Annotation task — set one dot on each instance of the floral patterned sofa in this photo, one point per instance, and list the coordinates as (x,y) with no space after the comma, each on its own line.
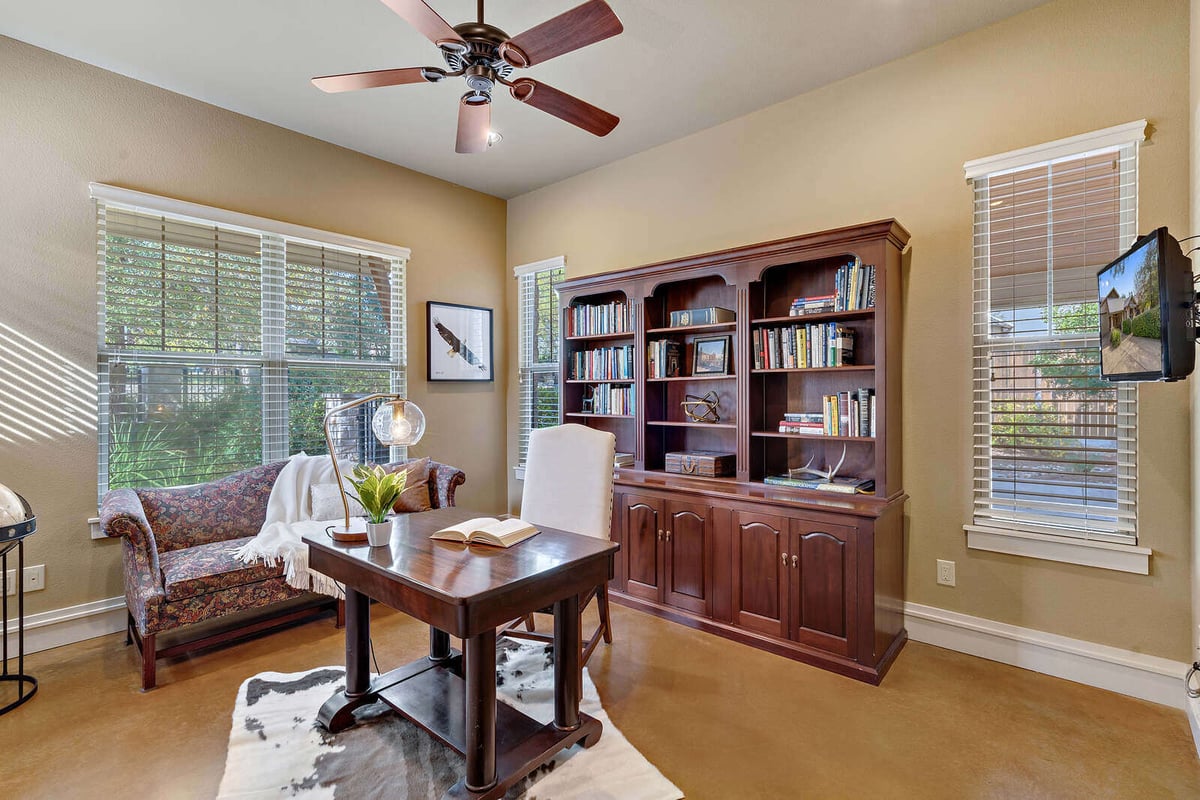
(178,563)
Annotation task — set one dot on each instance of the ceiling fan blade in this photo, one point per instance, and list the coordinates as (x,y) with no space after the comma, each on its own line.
(564,106)
(380,77)
(587,24)
(431,25)
(474,123)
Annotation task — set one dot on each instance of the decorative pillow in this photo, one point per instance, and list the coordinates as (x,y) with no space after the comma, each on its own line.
(416,487)
(326,504)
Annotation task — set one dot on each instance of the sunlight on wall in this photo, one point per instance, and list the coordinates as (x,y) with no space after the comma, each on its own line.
(45,395)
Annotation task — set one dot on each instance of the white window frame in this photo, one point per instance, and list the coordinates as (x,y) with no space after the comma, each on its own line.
(1015,539)
(527,369)
(273,358)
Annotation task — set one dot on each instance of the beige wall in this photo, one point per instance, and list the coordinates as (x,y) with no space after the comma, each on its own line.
(1194,196)
(63,124)
(891,143)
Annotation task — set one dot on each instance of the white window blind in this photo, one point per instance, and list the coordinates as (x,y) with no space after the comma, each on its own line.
(538,340)
(221,347)
(1055,446)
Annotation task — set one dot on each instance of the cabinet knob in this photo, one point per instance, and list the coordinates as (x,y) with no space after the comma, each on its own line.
(660,535)
(795,561)
(668,535)
(783,558)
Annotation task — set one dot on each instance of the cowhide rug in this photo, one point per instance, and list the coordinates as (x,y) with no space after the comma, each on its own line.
(276,750)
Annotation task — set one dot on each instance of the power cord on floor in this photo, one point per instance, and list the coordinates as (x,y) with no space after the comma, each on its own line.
(1187,680)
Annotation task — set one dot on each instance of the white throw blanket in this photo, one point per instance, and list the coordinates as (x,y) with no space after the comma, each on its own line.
(289,517)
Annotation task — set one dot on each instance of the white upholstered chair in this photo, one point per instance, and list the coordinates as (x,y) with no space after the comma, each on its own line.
(569,486)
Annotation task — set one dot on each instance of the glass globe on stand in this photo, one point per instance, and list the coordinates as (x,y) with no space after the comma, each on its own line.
(398,423)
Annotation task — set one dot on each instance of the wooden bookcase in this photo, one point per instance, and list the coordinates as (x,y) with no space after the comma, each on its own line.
(813,575)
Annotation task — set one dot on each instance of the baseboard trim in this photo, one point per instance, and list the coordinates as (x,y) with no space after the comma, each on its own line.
(61,626)
(1192,709)
(1159,680)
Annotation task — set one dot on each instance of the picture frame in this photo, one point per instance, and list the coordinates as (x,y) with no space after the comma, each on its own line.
(710,356)
(460,346)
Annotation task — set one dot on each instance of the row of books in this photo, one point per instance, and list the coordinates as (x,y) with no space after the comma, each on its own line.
(850,413)
(802,346)
(664,359)
(844,484)
(855,285)
(595,320)
(602,364)
(622,459)
(610,399)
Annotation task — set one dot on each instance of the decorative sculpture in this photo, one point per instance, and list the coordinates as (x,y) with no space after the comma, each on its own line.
(807,471)
(701,409)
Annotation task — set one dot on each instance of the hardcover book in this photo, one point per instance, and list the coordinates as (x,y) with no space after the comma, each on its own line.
(700,316)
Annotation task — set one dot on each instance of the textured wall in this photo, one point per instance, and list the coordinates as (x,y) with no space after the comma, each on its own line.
(1194,196)
(63,124)
(891,143)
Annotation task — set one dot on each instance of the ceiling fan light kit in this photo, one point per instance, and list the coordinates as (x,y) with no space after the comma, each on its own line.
(483,55)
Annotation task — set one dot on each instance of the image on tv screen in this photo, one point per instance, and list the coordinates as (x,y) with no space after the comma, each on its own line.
(1130,327)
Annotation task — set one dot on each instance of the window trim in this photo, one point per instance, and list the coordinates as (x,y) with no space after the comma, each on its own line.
(1015,540)
(523,425)
(209,215)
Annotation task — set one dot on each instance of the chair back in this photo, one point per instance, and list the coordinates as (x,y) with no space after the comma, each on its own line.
(569,479)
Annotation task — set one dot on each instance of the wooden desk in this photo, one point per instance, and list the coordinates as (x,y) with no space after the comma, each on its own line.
(467,592)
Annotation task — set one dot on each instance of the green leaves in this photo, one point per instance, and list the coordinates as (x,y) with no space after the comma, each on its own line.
(377,489)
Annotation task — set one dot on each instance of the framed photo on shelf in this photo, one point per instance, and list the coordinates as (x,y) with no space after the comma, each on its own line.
(710,356)
(460,342)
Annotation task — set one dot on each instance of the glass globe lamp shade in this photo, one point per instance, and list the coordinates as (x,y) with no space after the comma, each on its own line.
(398,423)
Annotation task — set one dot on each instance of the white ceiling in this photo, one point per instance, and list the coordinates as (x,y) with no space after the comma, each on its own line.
(679,67)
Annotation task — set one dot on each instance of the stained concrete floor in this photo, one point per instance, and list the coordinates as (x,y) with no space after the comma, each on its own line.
(720,719)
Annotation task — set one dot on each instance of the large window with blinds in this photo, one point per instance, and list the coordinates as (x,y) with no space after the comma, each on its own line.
(1055,446)
(221,346)
(538,343)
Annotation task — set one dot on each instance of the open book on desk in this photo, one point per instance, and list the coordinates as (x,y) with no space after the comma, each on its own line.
(487,530)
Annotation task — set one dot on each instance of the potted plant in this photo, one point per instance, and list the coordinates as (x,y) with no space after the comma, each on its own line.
(377,491)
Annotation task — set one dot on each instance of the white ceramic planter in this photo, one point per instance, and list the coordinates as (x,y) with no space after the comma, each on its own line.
(379,533)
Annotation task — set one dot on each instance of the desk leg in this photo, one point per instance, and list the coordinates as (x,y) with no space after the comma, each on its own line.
(568,679)
(338,712)
(480,652)
(439,644)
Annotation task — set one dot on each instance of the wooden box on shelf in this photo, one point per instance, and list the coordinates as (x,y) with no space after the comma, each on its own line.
(704,463)
(811,380)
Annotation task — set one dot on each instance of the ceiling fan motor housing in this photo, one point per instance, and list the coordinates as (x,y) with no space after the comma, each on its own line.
(484,51)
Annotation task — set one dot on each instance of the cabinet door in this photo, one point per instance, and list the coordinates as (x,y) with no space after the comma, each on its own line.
(823,596)
(760,573)
(687,582)
(642,518)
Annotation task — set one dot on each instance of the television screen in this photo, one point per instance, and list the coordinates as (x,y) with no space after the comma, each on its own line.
(1146,297)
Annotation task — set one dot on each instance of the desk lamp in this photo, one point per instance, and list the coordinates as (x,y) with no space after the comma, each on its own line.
(397,423)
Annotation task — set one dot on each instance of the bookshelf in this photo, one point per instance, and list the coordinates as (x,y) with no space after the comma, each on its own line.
(819,388)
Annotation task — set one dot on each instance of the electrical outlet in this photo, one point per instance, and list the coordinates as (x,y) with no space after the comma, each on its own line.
(945,572)
(35,579)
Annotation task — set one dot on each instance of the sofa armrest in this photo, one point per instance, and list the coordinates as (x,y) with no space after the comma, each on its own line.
(443,480)
(122,515)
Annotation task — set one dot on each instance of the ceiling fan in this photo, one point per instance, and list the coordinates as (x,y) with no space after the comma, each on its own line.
(485,55)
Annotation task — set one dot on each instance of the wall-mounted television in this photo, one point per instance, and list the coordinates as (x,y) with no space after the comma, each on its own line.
(1146,295)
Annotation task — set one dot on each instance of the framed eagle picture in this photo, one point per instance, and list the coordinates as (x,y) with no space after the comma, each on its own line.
(460,342)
